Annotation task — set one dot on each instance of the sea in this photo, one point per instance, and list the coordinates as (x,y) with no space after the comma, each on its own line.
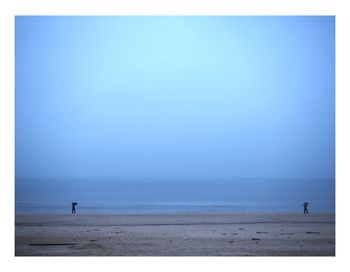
(135,196)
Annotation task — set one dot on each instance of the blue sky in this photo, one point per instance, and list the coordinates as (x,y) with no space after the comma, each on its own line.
(175,97)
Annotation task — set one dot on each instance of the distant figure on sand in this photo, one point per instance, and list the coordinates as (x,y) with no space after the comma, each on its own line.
(305,207)
(73,206)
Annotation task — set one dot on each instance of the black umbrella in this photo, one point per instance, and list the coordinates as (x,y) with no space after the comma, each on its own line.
(74,203)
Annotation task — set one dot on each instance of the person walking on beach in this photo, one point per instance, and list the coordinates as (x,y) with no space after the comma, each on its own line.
(73,206)
(305,207)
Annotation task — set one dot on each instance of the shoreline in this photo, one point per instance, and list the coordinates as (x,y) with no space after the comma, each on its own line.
(176,234)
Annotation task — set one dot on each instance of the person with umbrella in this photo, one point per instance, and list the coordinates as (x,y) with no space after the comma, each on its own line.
(305,207)
(73,206)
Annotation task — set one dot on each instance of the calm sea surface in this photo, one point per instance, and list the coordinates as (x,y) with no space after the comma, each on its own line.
(147,196)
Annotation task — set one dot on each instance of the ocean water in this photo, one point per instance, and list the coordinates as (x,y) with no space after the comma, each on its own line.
(96,196)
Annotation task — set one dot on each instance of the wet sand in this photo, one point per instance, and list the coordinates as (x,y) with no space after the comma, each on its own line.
(186,234)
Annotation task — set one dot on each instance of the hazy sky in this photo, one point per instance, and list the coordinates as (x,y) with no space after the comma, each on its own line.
(171,97)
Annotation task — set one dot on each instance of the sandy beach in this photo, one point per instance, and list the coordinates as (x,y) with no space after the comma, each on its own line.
(186,234)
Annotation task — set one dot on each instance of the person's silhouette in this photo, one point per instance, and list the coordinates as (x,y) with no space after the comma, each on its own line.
(73,206)
(305,207)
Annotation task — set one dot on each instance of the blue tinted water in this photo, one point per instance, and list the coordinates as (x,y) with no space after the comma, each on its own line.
(135,196)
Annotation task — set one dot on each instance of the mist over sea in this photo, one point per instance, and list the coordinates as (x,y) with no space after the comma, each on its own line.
(193,195)
(185,105)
